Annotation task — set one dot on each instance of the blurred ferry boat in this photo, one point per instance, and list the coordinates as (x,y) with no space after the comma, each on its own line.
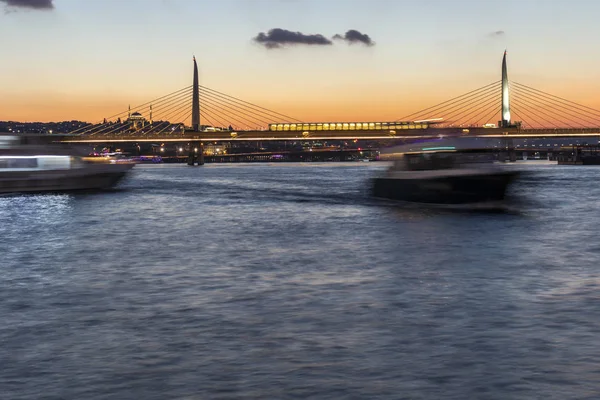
(443,175)
(30,164)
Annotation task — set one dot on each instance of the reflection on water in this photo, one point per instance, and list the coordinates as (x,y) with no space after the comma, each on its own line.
(289,281)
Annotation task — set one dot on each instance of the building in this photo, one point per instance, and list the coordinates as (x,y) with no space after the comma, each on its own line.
(137,121)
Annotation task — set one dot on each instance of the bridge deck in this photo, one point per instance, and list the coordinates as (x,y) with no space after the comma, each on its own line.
(335,135)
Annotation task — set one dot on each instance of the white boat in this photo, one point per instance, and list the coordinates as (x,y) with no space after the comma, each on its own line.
(30,165)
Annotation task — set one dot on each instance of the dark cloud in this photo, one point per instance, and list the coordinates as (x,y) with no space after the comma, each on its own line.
(35,4)
(496,34)
(354,36)
(277,38)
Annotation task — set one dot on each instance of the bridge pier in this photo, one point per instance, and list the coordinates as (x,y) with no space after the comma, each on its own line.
(200,153)
(196,154)
(509,153)
(191,156)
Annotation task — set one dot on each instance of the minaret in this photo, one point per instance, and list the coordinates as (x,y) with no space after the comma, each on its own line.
(195,100)
(505,95)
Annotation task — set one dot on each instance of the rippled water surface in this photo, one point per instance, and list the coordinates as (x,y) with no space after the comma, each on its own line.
(287,281)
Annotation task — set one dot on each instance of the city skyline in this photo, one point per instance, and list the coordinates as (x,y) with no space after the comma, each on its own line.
(327,61)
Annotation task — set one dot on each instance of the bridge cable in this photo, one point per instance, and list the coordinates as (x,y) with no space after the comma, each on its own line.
(483,111)
(514,112)
(213,110)
(444,102)
(203,111)
(533,108)
(495,110)
(241,107)
(189,113)
(459,105)
(560,113)
(162,114)
(560,98)
(527,120)
(140,106)
(447,103)
(554,103)
(226,109)
(175,113)
(525,108)
(101,128)
(454,112)
(461,116)
(203,117)
(452,106)
(225,105)
(252,105)
(179,100)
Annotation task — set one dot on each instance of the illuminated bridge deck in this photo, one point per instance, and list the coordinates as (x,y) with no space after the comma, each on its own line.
(266,135)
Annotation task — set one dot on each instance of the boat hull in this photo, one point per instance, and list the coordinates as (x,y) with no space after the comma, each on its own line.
(447,190)
(90,177)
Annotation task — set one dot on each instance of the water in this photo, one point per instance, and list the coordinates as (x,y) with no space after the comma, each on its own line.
(287,281)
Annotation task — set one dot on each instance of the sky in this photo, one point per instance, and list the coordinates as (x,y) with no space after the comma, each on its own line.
(85,60)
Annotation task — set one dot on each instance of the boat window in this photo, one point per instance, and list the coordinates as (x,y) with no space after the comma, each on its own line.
(422,162)
(18,163)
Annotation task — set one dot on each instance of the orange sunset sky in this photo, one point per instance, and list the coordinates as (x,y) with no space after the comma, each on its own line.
(86,60)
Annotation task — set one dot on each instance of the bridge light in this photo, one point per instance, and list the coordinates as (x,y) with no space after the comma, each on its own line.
(196,149)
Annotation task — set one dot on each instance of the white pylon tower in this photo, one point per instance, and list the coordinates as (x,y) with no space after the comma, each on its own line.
(505,95)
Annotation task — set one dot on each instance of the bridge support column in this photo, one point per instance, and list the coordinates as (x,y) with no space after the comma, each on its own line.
(196,154)
(191,160)
(200,153)
(509,153)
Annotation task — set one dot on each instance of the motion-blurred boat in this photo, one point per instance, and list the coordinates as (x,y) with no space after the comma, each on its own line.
(30,164)
(443,175)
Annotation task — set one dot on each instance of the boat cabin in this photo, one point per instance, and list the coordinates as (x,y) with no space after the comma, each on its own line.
(34,163)
(425,161)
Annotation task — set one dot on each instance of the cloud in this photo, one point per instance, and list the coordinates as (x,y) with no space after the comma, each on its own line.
(35,4)
(277,38)
(496,34)
(354,36)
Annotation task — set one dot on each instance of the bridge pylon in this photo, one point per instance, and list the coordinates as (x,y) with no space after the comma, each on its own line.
(196,149)
(195,100)
(505,112)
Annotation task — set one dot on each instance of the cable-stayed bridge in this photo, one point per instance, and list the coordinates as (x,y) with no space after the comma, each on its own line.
(502,109)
